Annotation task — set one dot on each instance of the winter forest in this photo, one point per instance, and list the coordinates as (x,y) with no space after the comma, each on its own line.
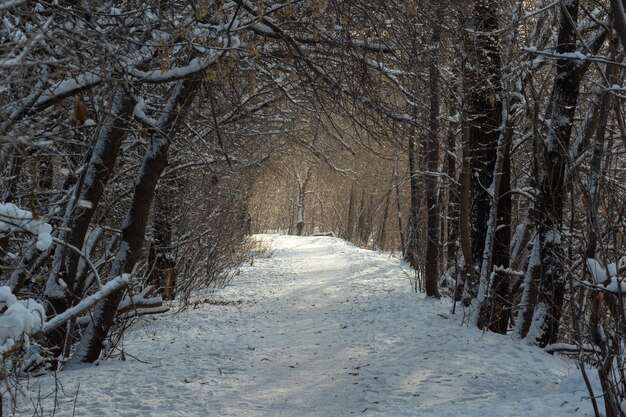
(159,158)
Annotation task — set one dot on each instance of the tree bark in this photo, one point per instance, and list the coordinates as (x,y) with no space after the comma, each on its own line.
(462,291)
(529,293)
(398,206)
(382,236)
(619,14)
(161,264)
(551,197)
(302,192)
(411,254)
(431,272)
(61,291)
(452,244)
(484,114)
(133,231)
(349,232)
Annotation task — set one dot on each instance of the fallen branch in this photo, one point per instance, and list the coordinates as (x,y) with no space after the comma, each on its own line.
(88,302)
(569,348)
(144,312)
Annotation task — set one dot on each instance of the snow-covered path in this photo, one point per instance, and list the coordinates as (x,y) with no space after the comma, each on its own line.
(321,328)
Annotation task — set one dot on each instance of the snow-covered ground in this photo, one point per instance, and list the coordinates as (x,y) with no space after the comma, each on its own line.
(320,328)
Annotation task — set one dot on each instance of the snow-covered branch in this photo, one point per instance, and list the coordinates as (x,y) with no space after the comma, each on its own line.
(88,302)
(15,219)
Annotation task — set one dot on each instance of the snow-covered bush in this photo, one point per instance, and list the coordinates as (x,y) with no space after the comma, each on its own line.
(15,219)
(19,320)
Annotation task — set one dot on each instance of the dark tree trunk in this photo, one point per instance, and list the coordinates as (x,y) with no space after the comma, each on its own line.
(411,254)
(431,273)
(606,371)
(133,231)
(464,276)
(365,219)
(619,7)
(595,175)
(161,264)
(349,232)
(453,202)
(552,186)
(362,220)
(498,308)
(398,206)
(90,189)
(484,114)
(382,236)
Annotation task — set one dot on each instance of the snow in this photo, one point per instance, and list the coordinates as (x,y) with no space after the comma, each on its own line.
(21,318)
(15,219)
(319,328)
(111,286)
(160,76)
(140,113)
(616,285)
(63,88)
(598,271)
(611,282)
(8,4)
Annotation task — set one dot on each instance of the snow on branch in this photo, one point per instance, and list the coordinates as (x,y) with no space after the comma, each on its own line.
(606,277)
(142,300)
(47,96)
(25,319)
(9,4)
(140,113)
(159,76)
(20,319)
(570,348)
(88,302)
(15,219)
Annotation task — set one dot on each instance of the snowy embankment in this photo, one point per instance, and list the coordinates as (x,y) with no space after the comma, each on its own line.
(320,328)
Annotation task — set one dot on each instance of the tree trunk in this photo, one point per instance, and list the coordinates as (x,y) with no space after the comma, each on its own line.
(362,220)
(547,313)
(607,370)
(302,192)
(411,254)
(530,291)
(500,285)
(452,244)
(382,236)
(398,206)
(431,273)
(462,291)
(619,14)
(349,232)
(161,264)
(493,302)
(484,114)
(595,175)
(133,231)
(62,290)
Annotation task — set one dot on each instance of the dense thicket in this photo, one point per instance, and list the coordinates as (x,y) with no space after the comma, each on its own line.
(141,144)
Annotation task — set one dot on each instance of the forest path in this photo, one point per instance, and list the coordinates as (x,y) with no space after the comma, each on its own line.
(321,328)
